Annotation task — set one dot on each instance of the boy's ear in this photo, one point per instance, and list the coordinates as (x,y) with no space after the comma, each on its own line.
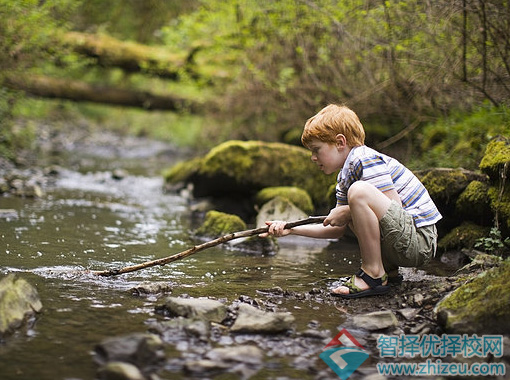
(341,141)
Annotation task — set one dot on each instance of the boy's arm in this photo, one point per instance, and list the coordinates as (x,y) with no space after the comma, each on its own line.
(319,231)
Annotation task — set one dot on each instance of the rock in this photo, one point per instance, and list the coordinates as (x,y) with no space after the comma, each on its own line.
(252,320)
(119,174)
(145,351)
(408,313)
(200,308)
(473,203)
(119,371)
(496,164)
(18,301)
(377,320)
(243,359)
(297,196)
(146,288)
(8,214)
(479,306)
(279,209)
(242,353)
(219,223)
(463,236)
(244,167)
(497,155)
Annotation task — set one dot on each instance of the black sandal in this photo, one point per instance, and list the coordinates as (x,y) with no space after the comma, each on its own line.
(376,286)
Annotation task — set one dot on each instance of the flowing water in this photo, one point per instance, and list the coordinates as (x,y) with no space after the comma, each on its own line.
(88,220)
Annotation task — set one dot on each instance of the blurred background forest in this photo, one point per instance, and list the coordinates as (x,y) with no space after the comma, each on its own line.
(430,80)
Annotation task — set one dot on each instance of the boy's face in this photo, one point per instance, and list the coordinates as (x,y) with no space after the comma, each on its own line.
(329,157)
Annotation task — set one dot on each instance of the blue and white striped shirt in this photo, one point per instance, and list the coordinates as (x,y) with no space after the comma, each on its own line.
(386,173)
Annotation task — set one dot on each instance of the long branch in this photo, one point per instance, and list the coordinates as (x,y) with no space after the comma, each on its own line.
(201,247)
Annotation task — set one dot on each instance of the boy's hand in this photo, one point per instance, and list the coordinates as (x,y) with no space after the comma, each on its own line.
(276,228)
(338,217)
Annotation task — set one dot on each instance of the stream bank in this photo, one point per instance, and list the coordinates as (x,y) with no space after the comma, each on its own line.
(102,209)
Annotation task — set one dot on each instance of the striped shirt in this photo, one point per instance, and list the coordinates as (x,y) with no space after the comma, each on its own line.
(386,173)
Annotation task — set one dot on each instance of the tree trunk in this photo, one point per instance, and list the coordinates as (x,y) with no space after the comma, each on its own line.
(49,87)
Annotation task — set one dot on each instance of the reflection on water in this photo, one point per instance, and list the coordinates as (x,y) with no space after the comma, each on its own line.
(90,221)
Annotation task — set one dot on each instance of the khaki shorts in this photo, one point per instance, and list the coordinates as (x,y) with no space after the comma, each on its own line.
(402,243)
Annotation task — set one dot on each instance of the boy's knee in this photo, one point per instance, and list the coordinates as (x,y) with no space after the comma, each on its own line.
(359,190)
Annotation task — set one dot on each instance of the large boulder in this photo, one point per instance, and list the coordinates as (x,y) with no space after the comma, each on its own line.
(19,301)
(245,167)
(496,164)
(479,306)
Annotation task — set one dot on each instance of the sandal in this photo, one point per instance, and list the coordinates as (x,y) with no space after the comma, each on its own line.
(376,286)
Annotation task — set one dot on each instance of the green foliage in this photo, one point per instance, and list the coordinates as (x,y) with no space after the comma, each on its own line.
(460,139)
(494,243)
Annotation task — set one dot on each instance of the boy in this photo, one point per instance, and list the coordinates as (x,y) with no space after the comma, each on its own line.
(383,202)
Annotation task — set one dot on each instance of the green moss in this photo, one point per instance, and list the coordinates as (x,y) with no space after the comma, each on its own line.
(182,171)
(218,223)
(484,301)
(249,166)
(500,203)
(297,196)
(445,184)
(474,201)
(463,236)
(497,155)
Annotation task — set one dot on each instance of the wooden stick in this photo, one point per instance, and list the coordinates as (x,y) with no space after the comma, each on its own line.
(200,247)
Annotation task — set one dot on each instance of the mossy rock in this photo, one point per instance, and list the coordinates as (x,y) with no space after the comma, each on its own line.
(219,223)
(496,158)
(500,204)
(463,236)
(445,185)
(296,195)
(480,306)
(474,203)
(245,167)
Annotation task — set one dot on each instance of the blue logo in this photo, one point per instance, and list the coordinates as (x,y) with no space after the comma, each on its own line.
(344,354)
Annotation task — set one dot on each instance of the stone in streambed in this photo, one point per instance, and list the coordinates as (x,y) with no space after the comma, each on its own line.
(145,351)
(252,320)
(18,301)
(378,320)
(195,308)
(119,371)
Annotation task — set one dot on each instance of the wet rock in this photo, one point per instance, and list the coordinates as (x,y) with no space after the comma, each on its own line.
(145,351)
(119,371)
(252,320)
(8,214)
(19,301)
(218,223)
(479,306)
(146,288)
(242,359)
(279,209)
(119,174)
(197,308)
(243,353)
(377,320)
(293,194)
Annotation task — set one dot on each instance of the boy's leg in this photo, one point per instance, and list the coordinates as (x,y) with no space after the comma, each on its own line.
(367,206)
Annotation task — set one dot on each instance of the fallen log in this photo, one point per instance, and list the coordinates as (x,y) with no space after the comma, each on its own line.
(131,57)
(201,247)
(49,87)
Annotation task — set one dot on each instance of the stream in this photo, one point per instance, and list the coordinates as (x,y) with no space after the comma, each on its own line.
(89,220)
